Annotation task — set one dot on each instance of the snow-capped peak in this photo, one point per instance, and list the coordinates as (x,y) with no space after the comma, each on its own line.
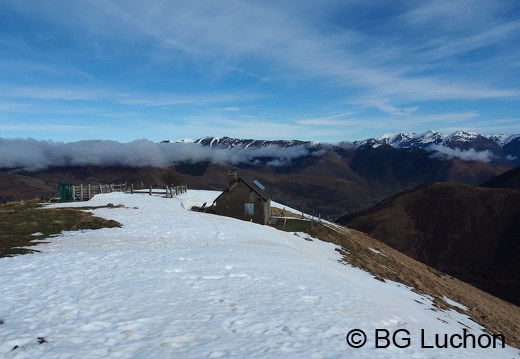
(462,136)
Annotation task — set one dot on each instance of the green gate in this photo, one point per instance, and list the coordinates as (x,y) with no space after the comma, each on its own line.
(66,192)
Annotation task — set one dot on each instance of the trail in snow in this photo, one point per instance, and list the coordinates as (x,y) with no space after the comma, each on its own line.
(179,284)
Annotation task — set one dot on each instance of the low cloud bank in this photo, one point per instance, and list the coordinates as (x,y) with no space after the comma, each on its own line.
(31,154)
(447,153)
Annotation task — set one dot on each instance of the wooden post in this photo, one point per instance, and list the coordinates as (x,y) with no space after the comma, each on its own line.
(88,192)
(150,190)
(132,188)
(81,192)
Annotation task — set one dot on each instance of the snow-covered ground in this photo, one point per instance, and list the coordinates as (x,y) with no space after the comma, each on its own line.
(173,283)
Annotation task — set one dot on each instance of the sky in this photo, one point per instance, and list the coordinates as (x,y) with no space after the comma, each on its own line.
(326,71)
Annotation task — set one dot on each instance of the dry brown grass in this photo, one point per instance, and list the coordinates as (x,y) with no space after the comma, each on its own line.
(281,212)
(494,314)
(19,220)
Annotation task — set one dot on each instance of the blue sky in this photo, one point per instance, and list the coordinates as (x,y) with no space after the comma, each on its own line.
(326,71)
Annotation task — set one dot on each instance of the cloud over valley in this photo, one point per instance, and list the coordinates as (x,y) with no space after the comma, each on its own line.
(30,154)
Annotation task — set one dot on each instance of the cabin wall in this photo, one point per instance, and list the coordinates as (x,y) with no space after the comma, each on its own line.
(232,203)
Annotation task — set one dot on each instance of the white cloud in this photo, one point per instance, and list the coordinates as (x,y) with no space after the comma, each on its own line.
(227,109)
(31,154)
(226,34)
(268,56)
(384,105)
(443,152)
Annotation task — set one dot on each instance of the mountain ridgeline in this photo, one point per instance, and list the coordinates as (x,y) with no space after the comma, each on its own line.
(329,179)
(500,149)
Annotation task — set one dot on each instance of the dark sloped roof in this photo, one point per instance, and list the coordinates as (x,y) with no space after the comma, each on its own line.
(265,194)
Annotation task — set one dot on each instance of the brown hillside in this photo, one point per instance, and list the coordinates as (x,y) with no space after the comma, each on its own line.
(14,187)
(465,231)
(509,179)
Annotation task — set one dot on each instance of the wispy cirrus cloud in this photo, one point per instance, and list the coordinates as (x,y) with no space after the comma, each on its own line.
(281,62)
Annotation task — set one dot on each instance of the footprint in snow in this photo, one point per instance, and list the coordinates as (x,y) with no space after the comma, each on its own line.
(311,298)
(176,270)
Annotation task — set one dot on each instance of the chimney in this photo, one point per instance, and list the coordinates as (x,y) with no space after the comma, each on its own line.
(232,176)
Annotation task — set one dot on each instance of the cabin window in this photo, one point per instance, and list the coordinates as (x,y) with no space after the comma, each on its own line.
(249,209)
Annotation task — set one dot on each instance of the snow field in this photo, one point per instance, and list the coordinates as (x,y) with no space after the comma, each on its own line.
(179,284)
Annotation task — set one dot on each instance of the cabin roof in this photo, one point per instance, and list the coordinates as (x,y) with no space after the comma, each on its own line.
(254,184)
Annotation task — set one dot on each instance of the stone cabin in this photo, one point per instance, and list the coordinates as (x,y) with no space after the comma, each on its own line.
(244,199)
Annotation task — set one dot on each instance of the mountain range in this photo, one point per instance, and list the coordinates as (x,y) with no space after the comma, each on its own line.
(329,179)
(503,149)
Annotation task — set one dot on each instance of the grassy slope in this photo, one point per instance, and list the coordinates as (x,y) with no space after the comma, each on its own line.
(19,220)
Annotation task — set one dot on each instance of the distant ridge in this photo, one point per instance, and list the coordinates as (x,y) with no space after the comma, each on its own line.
(500,149)
(396,140)
(428,138)
(509,179)
(229,142)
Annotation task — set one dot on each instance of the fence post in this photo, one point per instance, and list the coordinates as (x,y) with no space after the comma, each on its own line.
(132,188)
(150,190)
(81,192)
(88,191)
